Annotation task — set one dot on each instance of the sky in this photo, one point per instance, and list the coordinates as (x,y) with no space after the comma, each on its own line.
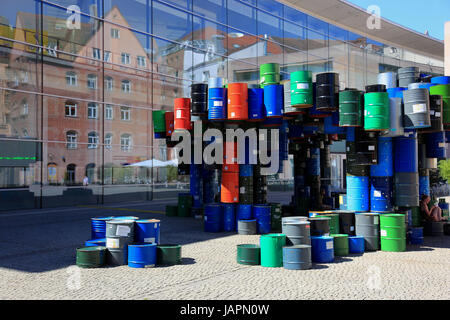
(419,15)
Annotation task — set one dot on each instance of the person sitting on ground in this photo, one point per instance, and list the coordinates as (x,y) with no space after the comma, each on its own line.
(433,214)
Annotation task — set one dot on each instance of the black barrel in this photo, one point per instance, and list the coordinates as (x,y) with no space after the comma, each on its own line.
(260,187)
(327,91)
(433,228)
(246,190)
(406,189)
(435,115)
(320,226)
(356,170)
(376,88)
(199,97)
(347,222)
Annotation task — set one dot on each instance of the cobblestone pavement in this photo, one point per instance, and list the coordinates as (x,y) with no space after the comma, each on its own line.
(37,261)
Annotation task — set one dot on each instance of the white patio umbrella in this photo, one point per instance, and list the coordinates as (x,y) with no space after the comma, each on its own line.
(152,163)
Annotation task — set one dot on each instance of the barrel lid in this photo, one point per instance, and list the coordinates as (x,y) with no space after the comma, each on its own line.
(141,245)
(320,218)
(356,237)
(392,215)
(148,221)
(274,235)
(368,213)
(298,246)
(174,246)
(103,218)
(120,221)
(322,237)
(126,218)
(247,220)
(101,240)
(92,248)
(339,235)
(248,245)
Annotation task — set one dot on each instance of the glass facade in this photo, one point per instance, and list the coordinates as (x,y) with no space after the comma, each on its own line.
(79,80)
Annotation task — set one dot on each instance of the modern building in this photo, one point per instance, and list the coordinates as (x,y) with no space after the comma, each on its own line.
(79,80)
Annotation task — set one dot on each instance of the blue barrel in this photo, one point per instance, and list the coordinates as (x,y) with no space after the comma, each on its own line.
(142,255)
(196,185)
(330,128)
(396,92)
(385,166)
(357,193)
(244,212)
(322,249)
(126,218)
(229,217)
(406,153)
(310,130)
(160,135)
(444,205)
(381,194)
(435,145)
(297,257)
(416,236)
(262,215)
(351,133)
(283,141)
(313,162)
(356,244)
(213,217)
(98,227)
(217,104)
(273,100)
(295,131)
(441,80)
(209,186)
(245,170)
(256,104)
(147,231)
(424,185)
(272,122)
(95,243)
(447,136)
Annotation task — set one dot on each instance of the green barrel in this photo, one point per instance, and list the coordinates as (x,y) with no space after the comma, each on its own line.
(377,111)
(184,204)
(393,232)
(444,91)
(168,254)
(416,217)
(334,222)
(269,73)
(272,249)
(301,89)
(91,257)
(248,254)
(351,108)
(275,216)
(340,242)
(171,211)
(159,121)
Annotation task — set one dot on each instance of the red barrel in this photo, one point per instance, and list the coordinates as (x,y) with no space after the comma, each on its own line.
(229,191)
(169,123)
(230,157)
(182,110)
(237,101)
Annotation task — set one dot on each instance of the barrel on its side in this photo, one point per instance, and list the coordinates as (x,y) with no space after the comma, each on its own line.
(297,257)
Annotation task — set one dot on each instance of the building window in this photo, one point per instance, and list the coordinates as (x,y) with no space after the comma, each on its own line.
(25,133)
(115,33)
(71,109)
(92,110)
(125,142)
(92,140)
(25,108)
(92,81)
(71,137)
(107,56)
(109,84)
(108,141)
(125,113)
(126,86)
(71,78)
(109,112)
(141,61)
(125,58)
(96,53)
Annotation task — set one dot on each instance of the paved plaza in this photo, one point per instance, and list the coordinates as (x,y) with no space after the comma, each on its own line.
(37,261)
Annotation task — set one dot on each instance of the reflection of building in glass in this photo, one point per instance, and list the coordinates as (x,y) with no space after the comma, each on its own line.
(78,102)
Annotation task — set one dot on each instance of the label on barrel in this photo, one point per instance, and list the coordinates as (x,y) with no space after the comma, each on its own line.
(152,240)
(419,108)
(376,193)
(352,228)
(233,114)
(329,245)
(371,148)
(112,243)
(441,145)
(375,220)
(437,114)
(178,114)
(383,233)
(431,112)
(242,190)
(302,86)
(122,231)
(218,103)
(206,218)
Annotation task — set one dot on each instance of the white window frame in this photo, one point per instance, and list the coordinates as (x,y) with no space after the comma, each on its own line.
(125,58)
(115,33)
(96,53)
(25,109)
(92,140)
(71,107)
(92,111)
(141,61)
(90,78)
(107,56)
(109,112)
(125,113)
(125,86)
(109,83)
(71,140)
(108,140)
(71,78)
(125,145)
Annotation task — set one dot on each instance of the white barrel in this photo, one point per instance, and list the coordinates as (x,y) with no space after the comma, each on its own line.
(396,117)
